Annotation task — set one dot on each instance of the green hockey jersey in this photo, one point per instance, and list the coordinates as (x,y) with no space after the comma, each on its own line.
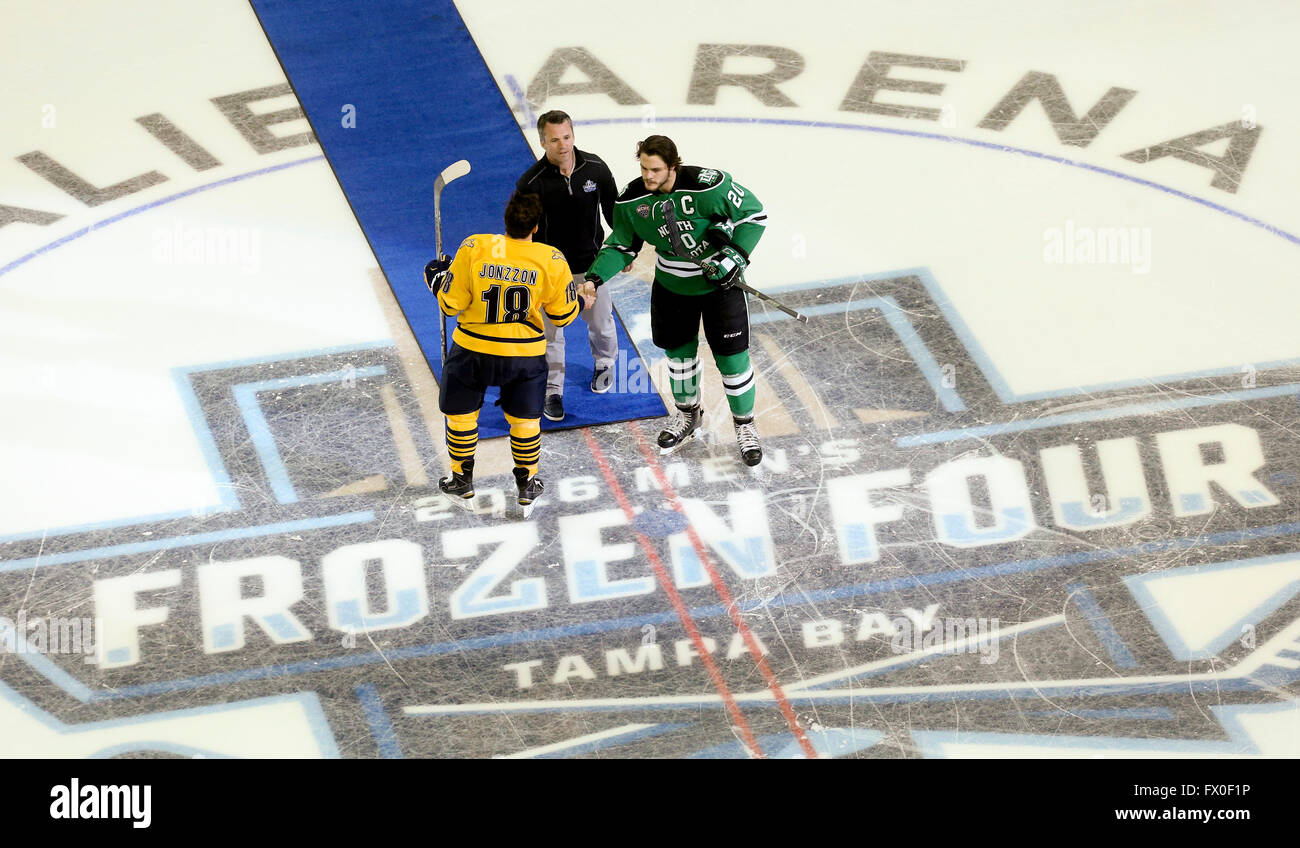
(712,209)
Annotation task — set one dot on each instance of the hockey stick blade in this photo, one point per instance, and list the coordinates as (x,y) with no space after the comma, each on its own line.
(452,172)
(669,212)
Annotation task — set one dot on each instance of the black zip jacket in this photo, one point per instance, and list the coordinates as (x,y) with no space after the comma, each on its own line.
(572,206)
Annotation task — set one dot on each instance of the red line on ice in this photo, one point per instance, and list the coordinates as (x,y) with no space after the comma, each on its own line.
(755,651)
(666,583)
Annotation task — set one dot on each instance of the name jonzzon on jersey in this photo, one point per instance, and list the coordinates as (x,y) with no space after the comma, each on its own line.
(509,274)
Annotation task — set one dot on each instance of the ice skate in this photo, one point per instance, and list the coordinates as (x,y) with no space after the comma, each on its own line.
(681,429)
(459,488)
(530,489)
(747,440)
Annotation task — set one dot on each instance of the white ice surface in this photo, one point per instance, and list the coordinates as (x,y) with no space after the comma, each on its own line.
(93,428)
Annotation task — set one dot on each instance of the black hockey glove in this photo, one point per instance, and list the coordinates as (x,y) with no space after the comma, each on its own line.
(436,272)
(724,268)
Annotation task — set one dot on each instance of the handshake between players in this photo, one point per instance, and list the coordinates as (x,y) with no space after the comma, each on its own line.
(703,224)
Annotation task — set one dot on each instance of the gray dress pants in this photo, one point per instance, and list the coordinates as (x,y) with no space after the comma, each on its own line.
(600,334)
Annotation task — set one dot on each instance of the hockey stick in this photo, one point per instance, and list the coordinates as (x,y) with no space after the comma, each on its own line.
(669,212)
(454,171)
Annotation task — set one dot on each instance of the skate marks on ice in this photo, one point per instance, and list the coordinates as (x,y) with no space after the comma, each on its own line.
(1023,568)
(1052,497)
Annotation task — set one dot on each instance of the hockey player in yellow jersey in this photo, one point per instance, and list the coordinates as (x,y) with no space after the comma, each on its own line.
(497,287)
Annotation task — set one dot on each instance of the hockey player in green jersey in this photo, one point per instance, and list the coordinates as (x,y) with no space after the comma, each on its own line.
(720,222)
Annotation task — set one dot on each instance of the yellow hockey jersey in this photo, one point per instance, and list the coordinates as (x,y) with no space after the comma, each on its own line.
(498,288)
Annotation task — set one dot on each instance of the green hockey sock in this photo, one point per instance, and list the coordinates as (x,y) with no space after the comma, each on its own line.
(738,381)
(684,373)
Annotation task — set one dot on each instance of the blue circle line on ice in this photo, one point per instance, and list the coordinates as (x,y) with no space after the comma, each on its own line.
(151,205)
(952,139)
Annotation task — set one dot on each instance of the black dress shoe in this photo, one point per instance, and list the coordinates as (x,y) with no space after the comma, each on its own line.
(554,408)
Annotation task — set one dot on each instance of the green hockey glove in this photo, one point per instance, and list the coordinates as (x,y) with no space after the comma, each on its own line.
(725,267)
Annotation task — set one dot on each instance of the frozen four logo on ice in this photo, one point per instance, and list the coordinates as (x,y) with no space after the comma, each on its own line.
(862,509)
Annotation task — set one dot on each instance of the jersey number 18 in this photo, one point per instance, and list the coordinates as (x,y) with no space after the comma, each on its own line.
(516,304)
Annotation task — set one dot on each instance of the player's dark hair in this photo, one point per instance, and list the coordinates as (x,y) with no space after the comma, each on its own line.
(522,214)
(661,146)
(555,116)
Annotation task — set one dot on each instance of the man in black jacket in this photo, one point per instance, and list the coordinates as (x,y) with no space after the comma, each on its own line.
(577,190)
